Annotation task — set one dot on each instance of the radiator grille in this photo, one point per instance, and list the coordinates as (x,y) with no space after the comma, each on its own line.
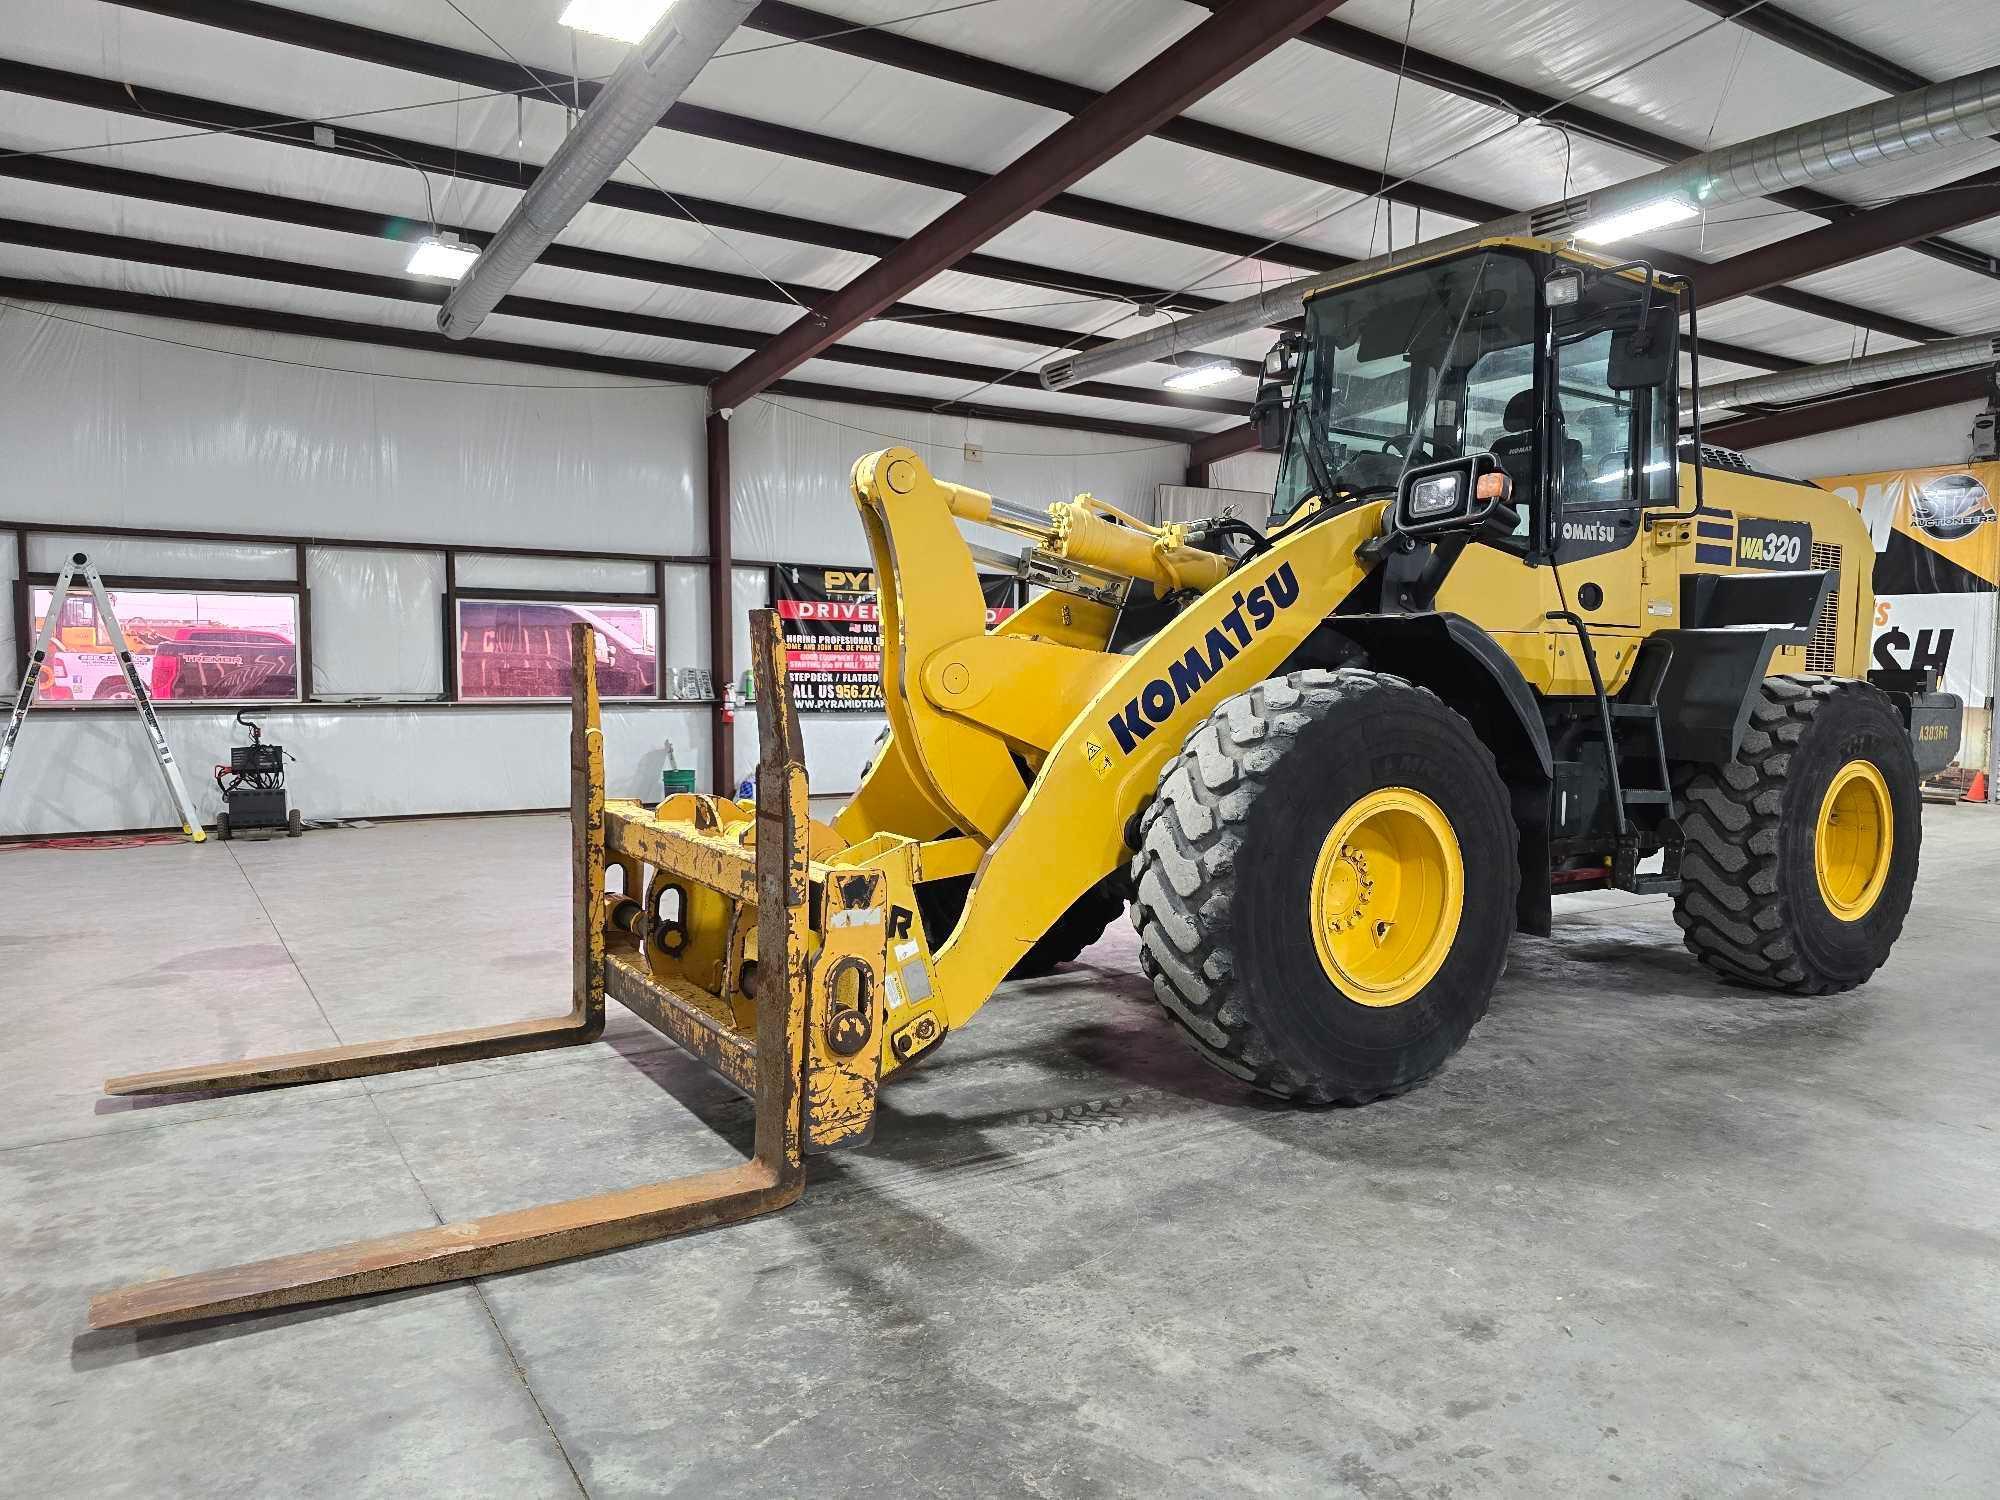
(1823,650)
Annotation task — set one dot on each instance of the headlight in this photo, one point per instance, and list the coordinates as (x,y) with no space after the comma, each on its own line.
(1433,497)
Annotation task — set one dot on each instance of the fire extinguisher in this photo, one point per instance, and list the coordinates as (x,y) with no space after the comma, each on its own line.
(729,703)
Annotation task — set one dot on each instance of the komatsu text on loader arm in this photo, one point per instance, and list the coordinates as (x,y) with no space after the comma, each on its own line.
(1501,637)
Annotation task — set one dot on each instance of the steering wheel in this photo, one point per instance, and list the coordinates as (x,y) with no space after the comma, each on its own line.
(1369,471)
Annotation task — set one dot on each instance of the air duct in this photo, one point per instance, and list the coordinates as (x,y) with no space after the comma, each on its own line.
(1818,381)
(651,78)
(1925,119)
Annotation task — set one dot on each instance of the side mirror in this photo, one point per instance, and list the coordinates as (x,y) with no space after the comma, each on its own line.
(1273,401)
(1268,417)
(1645,356)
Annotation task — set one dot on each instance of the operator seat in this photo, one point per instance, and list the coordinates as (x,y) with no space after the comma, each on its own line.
(1515,448)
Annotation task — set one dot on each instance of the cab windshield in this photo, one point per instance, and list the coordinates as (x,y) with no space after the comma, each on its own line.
(1429,364)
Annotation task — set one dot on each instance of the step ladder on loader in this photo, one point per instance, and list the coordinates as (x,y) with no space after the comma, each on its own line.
(787,1021)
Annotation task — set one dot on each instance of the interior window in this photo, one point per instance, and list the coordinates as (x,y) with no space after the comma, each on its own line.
(1593,428)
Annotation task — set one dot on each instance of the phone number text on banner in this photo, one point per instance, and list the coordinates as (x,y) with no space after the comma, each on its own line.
(833,634)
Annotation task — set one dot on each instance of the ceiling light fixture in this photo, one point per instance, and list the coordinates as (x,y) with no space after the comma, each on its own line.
(443,256)
(621,20)
(1201,377)
(1647,217)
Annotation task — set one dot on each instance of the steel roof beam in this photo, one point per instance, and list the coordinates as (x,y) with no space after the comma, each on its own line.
(88,176)
(270,320)
(930,60)
(1868,232)
(387,49)
(1822,46)
(273,271)
(362,43)
(372,146)
(1880,404)
(1155,92)
(1350,41)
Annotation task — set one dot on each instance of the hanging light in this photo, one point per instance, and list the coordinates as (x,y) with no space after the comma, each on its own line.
(1647,217)
(621,20)
(1201,377)
(443,256)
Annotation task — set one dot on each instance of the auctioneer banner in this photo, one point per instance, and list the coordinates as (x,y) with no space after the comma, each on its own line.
(1937,560)
(833,634)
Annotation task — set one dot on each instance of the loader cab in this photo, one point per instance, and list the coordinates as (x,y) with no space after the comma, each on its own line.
(1564,369)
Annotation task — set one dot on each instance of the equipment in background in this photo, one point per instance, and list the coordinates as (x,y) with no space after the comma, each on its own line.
(253,787)
(31,675)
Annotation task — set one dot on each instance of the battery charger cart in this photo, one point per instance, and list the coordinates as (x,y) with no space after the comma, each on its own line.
(253,787)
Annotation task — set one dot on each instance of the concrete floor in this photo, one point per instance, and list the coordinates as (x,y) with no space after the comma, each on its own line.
(1647,1234)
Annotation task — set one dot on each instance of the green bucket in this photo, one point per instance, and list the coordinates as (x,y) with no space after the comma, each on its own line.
(672,778)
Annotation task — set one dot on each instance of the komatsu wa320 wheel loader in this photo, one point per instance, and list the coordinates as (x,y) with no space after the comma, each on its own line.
(1502,637)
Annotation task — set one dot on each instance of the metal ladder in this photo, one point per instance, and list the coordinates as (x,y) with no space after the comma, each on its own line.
(24,698)
(1613,717)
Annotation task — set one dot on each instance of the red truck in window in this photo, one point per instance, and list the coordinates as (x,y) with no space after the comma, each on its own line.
(521,650)
(220,663)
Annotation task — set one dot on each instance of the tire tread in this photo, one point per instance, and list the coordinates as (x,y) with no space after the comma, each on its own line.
(1184,869)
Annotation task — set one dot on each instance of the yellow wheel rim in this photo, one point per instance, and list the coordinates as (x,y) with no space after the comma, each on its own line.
(1853,841)
(1387,891)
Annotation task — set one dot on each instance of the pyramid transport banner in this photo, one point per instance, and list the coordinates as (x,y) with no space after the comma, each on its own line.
(833,634)
(1937,561)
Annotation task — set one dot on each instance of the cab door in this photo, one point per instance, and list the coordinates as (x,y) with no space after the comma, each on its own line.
(1610,452)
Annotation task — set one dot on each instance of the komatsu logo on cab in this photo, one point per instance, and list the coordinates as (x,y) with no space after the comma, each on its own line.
(1251,614)
(1589,531)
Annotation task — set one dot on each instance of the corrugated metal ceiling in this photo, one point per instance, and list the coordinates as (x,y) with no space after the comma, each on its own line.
(1723,84)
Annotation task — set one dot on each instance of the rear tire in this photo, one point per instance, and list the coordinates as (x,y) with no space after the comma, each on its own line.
(1755,904)
(222,826)
(1230,877)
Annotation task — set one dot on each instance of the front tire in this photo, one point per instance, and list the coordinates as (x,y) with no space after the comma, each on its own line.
(1326,885)
(1801,853)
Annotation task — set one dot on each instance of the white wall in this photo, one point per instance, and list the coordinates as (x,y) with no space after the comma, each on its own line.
(1943,436)
(790,462)
(105,427)
(1255,470)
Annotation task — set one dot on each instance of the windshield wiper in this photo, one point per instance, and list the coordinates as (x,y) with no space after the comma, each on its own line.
(1322,477)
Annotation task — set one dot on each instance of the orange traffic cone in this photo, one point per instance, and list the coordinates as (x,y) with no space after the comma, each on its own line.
(1977,791)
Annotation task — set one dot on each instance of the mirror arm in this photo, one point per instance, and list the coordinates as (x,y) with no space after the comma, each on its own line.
(1657,518)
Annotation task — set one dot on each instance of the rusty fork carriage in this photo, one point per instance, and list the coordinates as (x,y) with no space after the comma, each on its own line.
(786,1016)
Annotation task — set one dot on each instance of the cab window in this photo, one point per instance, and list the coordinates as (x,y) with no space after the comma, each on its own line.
(1612,440)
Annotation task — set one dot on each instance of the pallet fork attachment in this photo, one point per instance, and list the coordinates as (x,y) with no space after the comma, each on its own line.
(758,861)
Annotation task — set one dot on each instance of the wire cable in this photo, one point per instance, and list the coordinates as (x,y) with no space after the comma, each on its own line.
(1389,136)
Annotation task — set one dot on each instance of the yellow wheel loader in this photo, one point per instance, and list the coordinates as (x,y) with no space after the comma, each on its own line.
(1502,637)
